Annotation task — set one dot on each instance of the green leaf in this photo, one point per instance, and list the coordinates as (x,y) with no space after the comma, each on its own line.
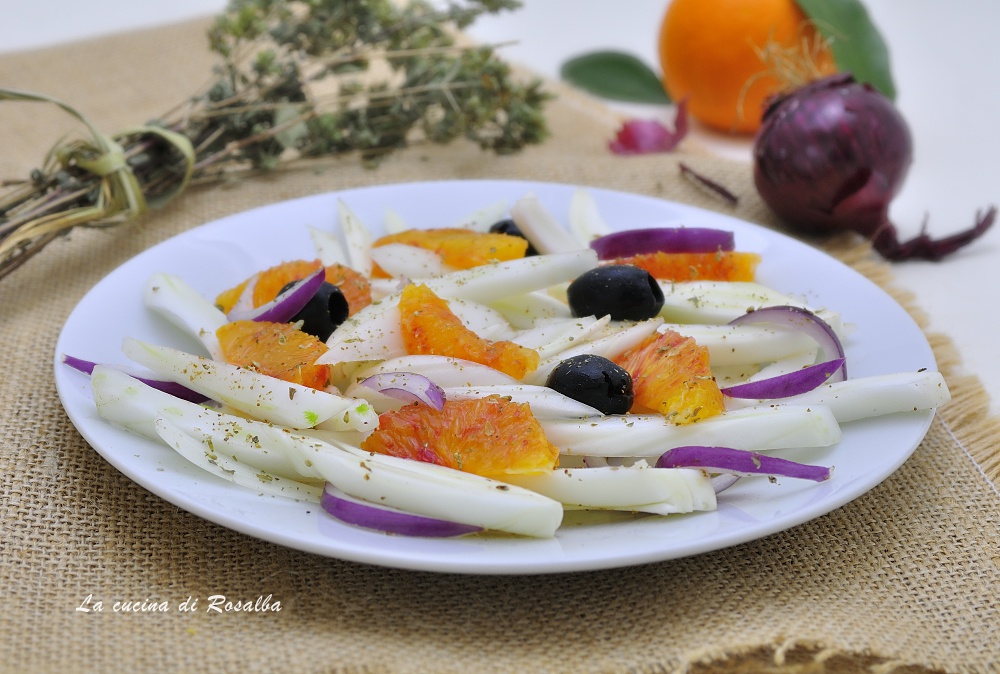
(857,45)
(615,75)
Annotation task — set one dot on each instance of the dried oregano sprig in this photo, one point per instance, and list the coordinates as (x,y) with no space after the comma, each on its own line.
(296,80)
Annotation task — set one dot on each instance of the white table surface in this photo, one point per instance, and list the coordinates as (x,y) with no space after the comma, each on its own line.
(944,64)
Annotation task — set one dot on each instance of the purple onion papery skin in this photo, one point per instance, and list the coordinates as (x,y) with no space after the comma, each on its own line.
(923,247)
(830,157)
(644,136)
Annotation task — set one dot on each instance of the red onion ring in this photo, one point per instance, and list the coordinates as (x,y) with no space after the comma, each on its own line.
(361,513)
(245,301)
(283,307)
(407,386)
(739,462)
(804,321)
(785,385)
(173,388)
(723,481)
(662,239)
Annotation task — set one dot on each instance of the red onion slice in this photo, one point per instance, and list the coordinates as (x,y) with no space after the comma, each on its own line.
(739,462)
(390,520)
(806,322)
(173,388)
(790,384)
(407,386)
(245,301)
(662,239)
(283,307)
(723,481)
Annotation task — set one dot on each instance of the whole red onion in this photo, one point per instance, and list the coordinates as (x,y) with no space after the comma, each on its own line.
(831,155)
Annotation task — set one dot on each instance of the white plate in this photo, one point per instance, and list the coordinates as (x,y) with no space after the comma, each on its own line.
(219,254)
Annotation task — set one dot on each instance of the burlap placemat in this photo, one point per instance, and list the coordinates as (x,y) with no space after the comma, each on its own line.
(904,579)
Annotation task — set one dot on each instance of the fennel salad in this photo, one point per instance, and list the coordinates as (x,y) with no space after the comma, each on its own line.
(489,385)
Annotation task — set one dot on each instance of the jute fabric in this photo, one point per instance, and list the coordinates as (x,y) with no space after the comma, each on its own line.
(904,579)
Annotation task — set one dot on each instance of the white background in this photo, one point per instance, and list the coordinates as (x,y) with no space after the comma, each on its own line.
(944,63)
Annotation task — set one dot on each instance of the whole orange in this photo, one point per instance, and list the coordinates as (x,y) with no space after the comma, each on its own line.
(722,55)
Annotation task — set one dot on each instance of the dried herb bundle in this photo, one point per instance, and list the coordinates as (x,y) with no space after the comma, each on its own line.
(297,79)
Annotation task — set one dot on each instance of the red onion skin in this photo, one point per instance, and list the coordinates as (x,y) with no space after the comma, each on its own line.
(645,136)
(830,156)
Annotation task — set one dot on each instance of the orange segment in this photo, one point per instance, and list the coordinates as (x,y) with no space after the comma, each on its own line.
(489,436)
(717,266)
(276,349)
(354,286)
(670,375)
(461,248)
(429,327)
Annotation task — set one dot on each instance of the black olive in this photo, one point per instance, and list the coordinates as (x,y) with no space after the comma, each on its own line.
(622,291)
(510,228)
(323,313)
(595,381)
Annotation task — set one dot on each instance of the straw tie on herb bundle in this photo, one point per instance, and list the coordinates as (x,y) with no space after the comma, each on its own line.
(296,80)
(34,213)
